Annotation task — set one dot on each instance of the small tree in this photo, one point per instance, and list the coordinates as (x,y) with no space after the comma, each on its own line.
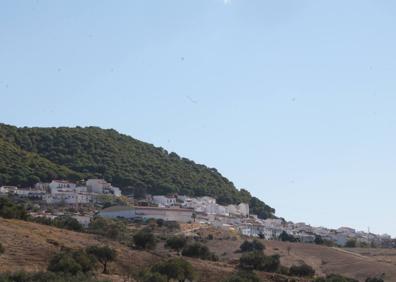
(176,243)
(197,250)
(68,222)
(259,261)
(250,246)
(103,254)
(64,262)
(319,240)
(302,270)
(1,249)
(350,243)
(177,269)
(144,239)
(243,276)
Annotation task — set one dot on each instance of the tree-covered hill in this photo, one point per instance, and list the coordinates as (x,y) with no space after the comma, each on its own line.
(28,155)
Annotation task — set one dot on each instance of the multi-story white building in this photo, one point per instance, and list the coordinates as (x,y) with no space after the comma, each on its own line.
(164,201)
(57,185)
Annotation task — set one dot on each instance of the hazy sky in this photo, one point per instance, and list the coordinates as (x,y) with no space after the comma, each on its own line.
(293,100)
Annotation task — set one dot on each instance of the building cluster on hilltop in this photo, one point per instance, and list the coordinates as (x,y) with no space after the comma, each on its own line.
(65,192)
(181,208)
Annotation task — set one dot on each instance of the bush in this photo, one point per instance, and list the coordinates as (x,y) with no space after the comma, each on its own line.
(197,250)
(68,222)
(113,229)
(9,209)
(285,237)
(374,279)
(46,276)
(64,262)
(103,254)
(177,269)
(176,243)
(160,222)
(148,276)
(335,278)
(172,225)
(144,239)
(259,261)
(243,276)
(301,270)
(350,243)
(250,246)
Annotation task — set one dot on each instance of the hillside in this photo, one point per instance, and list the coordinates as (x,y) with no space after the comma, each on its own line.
(29,155)
(29,246)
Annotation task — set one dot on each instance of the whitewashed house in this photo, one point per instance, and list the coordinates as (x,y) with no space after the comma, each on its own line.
(164,201)
(61,185)
(8,189)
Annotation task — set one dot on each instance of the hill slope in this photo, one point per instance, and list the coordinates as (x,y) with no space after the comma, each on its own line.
(73,153)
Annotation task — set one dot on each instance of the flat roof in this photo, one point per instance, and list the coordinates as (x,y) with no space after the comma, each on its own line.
(125,208)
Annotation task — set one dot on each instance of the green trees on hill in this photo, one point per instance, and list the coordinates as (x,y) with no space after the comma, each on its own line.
(29,155)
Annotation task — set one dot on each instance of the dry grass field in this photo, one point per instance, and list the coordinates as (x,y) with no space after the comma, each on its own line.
(29,246)
(356,263)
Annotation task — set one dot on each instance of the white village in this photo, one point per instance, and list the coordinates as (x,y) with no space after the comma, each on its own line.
(96,197)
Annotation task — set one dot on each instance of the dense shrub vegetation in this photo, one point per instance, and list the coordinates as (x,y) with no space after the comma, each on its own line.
(29,155)
(250,246)
(198,250)
(47,277)
(144,239)
(176,269)
(71,262)
(9,209)
(259,261)
(335,278)
(176,243)
(243,276)
(301,270)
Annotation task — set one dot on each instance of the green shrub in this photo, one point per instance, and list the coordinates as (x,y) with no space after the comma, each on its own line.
(197,250)
(64,262)
(68,222)
(350,243)
(177,269)
(259,261)
(149,276)
(335,278)
(46,277)
(250,246)
(301,270)
(103,254)
(110,228)
(243,276)
(9,209)
(144,239)
(172,225)
(374,279)
(176,243)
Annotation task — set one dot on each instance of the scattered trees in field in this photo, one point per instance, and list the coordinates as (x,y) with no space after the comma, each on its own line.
(103,254)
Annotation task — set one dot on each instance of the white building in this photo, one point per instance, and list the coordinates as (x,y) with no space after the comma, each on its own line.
(97,185)
(164,201)
(101,186)
(57,185)
(68,198)
(8,189)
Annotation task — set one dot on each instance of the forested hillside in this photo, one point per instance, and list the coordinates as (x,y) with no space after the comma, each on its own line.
(29,155)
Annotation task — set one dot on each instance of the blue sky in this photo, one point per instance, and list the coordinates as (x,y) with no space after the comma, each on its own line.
(293,100)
